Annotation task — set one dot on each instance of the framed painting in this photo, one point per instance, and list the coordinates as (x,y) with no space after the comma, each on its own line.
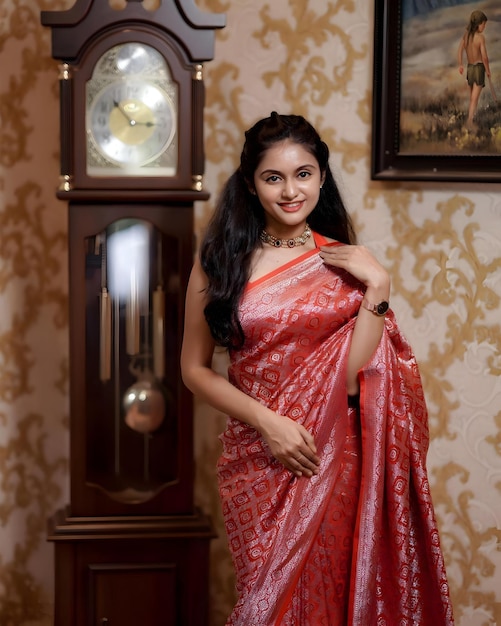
(436,113)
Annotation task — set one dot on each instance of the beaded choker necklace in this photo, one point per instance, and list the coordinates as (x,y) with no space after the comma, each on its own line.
(286,243)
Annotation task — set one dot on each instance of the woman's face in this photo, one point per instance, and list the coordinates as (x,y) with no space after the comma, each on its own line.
(287,182)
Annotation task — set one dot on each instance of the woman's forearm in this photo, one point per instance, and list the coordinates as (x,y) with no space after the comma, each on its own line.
(219,393)
(366,337)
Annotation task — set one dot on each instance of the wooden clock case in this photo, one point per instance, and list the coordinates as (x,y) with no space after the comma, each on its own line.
(130,548)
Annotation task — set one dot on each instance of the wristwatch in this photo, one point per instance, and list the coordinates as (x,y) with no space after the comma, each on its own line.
(378,309)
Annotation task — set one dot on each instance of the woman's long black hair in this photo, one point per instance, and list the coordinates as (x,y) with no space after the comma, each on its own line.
(233,232)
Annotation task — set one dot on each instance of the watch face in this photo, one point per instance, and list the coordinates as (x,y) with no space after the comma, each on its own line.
(382,308)
(131,118)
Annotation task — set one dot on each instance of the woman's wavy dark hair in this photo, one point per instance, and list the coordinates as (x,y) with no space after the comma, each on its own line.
(233,232)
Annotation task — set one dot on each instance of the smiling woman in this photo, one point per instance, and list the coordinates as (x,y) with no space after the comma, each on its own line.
(311,507)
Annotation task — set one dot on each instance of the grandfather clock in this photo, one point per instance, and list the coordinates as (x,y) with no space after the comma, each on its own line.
(130,548)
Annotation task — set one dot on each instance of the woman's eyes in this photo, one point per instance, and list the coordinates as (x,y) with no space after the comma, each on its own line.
(275,178)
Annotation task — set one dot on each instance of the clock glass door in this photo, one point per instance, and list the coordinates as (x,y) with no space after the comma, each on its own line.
(131,366)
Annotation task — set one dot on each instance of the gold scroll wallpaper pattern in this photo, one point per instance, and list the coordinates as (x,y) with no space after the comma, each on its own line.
(441,243)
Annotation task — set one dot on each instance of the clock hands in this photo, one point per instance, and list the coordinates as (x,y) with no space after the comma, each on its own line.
(129,118)
(147,124)
(118,106)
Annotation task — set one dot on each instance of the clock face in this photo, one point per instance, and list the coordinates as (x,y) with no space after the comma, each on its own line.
(131,119)
(132,122)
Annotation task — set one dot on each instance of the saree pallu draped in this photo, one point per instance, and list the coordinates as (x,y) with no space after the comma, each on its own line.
(356,544)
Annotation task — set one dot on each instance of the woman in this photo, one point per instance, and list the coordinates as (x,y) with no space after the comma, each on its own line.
(322,477)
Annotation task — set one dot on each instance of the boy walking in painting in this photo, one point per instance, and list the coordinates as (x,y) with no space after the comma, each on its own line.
(473,43)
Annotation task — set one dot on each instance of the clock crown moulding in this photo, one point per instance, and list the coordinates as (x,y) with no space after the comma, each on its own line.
(176,17)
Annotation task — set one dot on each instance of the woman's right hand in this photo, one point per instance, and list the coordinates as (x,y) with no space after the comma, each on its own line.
(292,445)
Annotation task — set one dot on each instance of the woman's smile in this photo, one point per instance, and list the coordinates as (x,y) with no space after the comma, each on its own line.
(291,207)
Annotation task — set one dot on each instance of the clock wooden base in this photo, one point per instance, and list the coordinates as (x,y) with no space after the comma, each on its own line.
(131,571)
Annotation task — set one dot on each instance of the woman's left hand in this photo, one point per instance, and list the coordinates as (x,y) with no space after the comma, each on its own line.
(359,262)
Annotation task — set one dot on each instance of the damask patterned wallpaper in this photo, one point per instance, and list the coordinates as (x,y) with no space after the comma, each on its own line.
(441,242)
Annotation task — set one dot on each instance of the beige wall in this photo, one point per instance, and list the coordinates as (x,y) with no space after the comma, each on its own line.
(441,243)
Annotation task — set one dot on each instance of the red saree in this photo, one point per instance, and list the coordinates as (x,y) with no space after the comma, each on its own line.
(357,544)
